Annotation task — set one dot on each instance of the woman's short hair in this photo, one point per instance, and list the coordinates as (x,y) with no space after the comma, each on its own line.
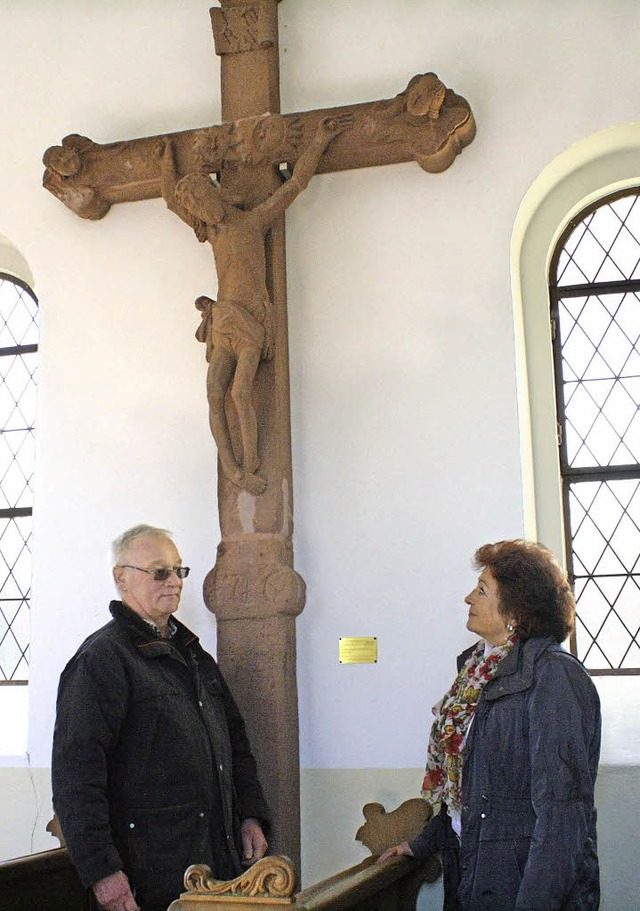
(534,589)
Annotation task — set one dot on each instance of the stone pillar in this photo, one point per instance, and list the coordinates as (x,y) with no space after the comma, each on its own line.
(253,589)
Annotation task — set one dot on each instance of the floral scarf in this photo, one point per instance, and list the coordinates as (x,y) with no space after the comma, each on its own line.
(454,714)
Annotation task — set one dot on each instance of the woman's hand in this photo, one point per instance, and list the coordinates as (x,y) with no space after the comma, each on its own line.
(401,850)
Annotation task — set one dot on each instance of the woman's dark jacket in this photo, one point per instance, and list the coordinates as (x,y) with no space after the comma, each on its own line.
(152,769)
(530,760)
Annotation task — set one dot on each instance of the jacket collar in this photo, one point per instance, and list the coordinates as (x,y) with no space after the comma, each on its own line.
(144,637)
(515,671)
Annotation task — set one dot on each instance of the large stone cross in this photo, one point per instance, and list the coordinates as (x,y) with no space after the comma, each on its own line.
(253,589)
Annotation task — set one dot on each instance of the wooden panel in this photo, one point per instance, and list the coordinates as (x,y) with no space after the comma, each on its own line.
(46,881)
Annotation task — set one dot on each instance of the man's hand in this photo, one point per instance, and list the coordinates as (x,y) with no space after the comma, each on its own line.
(401,850)
(114,893)
(254,844)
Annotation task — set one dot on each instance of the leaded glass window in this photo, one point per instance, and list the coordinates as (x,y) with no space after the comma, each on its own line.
(18,364)
(595,312)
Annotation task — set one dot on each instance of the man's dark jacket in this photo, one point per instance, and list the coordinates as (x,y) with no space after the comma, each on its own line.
(152,769)
(528,776)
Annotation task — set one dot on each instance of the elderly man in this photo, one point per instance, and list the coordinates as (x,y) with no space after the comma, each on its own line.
(152,769)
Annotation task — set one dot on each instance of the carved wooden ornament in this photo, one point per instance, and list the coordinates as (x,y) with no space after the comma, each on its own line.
(383,830)
(270,881)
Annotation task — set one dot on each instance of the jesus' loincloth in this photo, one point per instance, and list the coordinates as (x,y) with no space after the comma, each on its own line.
(229,325)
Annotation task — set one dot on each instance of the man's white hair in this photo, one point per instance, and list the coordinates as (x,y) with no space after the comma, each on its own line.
(124,541)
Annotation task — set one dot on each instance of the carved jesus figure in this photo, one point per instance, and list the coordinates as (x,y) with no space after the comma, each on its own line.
(238,327)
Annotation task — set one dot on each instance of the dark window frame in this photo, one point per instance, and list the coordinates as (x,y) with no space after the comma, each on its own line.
(19,511)
(576,475)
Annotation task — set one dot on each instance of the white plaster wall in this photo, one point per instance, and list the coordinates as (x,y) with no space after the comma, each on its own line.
(405,435)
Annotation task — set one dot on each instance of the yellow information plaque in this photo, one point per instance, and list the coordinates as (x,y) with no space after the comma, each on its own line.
(358,649)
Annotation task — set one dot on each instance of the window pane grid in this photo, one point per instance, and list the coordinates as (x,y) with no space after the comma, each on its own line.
(604,246)
(605,531)
(18,315)
(18,383)
(600,378)
(597,359)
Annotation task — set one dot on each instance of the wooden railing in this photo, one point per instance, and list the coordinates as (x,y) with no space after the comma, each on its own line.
(42,882)
(48,881)
(369,886)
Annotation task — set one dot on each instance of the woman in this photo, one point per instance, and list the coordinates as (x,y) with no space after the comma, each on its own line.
(514,749)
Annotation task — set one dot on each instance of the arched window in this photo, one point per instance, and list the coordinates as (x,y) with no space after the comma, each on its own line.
(575,249)
(18,363)
(595,316)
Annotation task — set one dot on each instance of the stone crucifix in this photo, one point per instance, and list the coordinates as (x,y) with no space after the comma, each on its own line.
(231,183)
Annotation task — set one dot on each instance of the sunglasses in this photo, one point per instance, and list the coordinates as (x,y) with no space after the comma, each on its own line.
(162,574)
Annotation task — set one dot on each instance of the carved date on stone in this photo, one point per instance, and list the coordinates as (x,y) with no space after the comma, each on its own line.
(254,579)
